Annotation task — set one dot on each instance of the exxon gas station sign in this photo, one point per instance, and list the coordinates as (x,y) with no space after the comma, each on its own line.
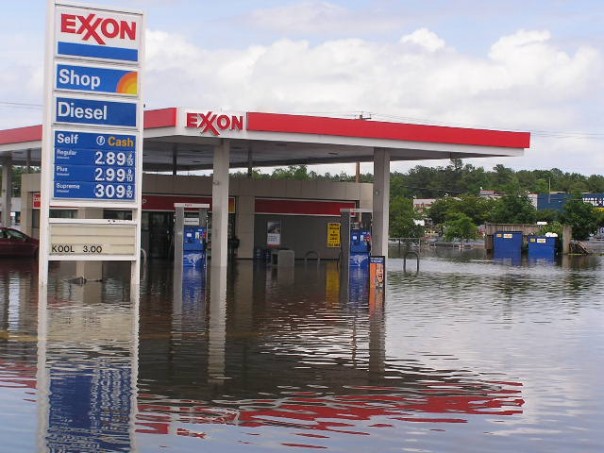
(94,119)
(215,124)
(93,34)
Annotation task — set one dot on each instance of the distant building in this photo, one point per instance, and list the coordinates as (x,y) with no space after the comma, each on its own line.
(423,204)
(490,194)
(556,201)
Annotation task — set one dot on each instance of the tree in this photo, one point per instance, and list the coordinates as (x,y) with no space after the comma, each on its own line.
(441,209)
(403,219)
(294,172)
(581,216)
(460,226)
(475,207)
(513,208)
(503,177)
(547,215)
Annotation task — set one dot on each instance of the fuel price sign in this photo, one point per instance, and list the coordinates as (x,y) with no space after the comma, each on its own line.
(94,166)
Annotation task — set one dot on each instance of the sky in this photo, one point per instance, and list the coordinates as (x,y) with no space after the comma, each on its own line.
(531,65)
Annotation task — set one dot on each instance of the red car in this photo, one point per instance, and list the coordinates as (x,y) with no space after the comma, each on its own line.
(15,243)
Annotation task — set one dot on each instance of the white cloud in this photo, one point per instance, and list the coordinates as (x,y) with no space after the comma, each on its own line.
(525,82)
(425,39)
(311,18)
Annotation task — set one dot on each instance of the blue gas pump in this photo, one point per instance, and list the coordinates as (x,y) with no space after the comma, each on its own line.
(360,248)
(194,246)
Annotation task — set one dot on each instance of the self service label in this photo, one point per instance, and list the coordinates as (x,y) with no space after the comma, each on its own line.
(86,148)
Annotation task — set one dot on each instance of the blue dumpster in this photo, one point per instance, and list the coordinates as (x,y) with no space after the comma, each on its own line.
(507,242)
(508,245)
(542,247)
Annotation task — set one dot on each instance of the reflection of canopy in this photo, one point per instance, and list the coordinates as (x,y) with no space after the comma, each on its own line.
(16,374)
(343,413)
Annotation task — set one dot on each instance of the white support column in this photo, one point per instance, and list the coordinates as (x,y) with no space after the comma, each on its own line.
(381,202)
(245,223)
(7,189)
(220,204)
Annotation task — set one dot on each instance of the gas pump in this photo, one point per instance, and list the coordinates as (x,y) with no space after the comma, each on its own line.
(194,247)
(355,253)
(190,236)
(356,237)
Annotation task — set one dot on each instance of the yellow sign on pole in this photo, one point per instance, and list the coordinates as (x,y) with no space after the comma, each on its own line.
(333,234)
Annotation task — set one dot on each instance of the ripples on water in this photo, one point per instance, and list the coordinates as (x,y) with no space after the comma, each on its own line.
(466,355)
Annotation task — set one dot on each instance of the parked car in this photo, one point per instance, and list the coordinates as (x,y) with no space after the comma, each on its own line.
(15,243)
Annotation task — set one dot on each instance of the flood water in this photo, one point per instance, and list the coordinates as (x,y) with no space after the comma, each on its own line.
(466,355)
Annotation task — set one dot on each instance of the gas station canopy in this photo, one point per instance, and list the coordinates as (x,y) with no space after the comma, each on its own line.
(180,139)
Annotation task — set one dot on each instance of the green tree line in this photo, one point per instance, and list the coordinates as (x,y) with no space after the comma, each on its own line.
(456,178)
(459,209)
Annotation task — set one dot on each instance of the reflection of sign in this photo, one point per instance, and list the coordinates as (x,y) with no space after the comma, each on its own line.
(333,235)
(273,234)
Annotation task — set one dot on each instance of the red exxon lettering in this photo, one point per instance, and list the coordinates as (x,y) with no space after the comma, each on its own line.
(214,123)
(98,28)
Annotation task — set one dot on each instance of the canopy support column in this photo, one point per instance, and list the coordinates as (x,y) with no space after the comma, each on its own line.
(381,202)
(7,189)
(220,205)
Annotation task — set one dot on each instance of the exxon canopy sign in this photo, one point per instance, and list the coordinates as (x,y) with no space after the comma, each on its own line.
(214,123)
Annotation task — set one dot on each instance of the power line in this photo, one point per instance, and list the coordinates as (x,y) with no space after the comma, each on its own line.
(23,105)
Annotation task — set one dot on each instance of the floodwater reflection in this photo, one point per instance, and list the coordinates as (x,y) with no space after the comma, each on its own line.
(465,352)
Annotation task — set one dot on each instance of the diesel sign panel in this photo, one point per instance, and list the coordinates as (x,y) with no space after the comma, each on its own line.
(93,112)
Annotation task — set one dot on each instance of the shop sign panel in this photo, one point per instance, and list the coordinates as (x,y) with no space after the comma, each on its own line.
(91,79)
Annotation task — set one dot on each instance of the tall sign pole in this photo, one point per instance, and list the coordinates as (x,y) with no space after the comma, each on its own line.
(92,134)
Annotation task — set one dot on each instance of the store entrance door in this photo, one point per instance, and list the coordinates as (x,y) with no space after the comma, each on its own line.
(157,239)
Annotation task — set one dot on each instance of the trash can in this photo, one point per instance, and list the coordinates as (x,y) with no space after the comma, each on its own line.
(283,258)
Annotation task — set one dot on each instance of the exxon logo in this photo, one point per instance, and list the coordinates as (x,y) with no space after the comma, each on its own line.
(94,28)
(214,123)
